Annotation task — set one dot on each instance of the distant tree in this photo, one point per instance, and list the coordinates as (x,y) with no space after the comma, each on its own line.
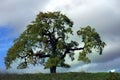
(50,34)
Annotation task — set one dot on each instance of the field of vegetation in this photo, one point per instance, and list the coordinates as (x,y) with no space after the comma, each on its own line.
(62,76)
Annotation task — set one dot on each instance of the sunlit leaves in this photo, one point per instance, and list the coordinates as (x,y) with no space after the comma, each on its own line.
(60,44)
(91,39)
(54,61)
(83,57)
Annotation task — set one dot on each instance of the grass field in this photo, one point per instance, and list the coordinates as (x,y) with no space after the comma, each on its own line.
(62,76)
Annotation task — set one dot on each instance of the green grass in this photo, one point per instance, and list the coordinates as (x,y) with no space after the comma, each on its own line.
(61,76)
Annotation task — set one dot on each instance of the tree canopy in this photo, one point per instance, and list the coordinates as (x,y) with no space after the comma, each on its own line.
(47,41)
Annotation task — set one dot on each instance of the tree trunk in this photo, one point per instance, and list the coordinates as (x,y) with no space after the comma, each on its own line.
(53,69)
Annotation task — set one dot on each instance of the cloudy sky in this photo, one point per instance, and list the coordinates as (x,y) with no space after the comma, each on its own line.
(104,15)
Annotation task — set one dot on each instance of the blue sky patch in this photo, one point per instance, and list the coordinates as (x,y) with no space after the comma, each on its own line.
(6,40)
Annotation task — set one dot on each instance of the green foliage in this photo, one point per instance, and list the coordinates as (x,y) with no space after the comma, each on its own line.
(83,57)
(91,41)
(56,61)
(52,62)
(50,33)
(60,44)
(58,76)
(113,76)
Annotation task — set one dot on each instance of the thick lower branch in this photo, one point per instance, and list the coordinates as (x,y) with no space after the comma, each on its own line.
(68,51)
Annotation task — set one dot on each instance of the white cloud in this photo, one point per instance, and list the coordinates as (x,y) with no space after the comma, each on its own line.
(57,5)
(113,70)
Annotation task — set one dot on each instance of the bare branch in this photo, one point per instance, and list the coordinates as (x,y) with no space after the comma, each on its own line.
(75,49)
(41,55)
(68,51)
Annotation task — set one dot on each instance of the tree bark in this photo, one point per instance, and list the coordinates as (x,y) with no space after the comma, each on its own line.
(53,69)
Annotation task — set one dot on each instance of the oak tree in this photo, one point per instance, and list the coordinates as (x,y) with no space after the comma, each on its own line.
(47,40)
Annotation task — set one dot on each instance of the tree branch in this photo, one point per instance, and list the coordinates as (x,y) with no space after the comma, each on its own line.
(53,30)
(41,55)
(68,51)
(75,49)
(31,53)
